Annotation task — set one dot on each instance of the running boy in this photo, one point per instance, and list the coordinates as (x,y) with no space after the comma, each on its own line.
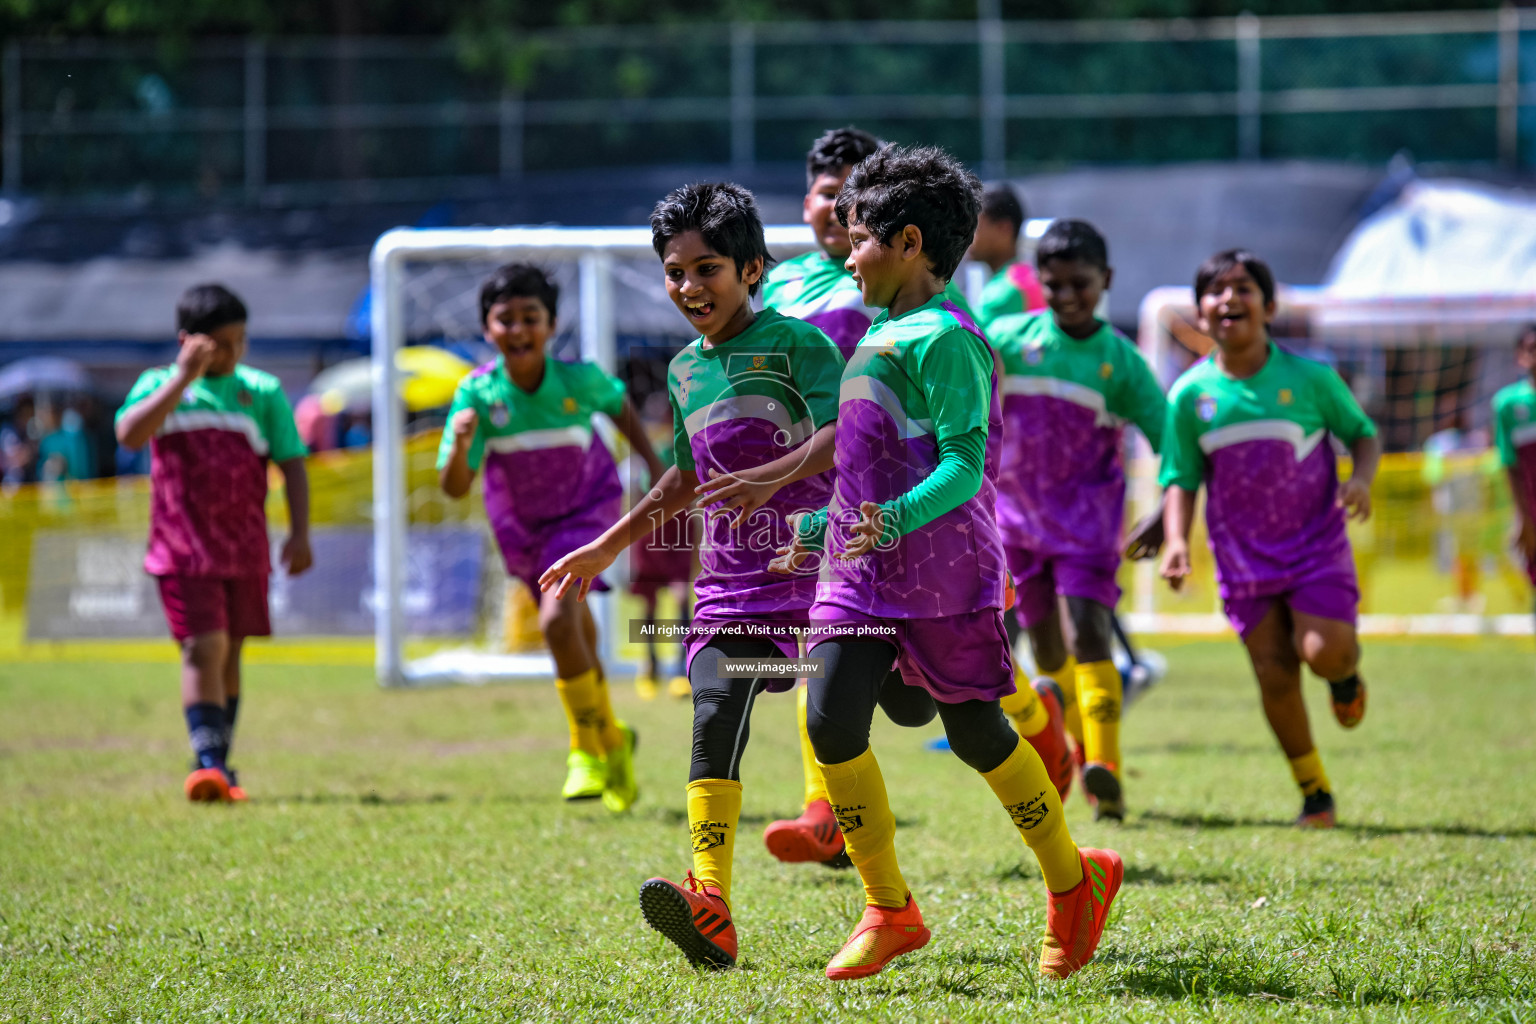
(1514,433)
(1072,384)
(753,401)
(550,485)
(816,287)
(917,571)
(212,425)
(1251,422)
(1014,287)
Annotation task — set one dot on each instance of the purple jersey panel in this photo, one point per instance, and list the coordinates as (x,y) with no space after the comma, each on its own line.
(1061,487)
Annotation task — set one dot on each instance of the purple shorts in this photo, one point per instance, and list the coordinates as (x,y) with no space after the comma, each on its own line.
(1328,599)
(955,657)
(781,629)
(1038,580)
(528,564)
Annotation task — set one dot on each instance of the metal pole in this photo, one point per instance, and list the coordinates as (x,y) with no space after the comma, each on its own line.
(994,87)
(743,95)
(1249,87)
(510,134)
(10,82)
(387,312)
(1509,85)
(255,118)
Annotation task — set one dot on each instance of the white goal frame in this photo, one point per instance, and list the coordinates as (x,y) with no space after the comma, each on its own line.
(593,250)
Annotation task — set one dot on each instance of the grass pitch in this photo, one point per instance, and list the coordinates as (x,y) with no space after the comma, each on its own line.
(405,856)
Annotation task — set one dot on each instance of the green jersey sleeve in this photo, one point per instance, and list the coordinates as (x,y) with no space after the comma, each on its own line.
(682,451)
(816,366)
(1183,461)
(999,298)
(282,433)
(955,373)
(149,381)
(1341,413)
(599,389)
(1139,398)
(463,398)
(1503,438)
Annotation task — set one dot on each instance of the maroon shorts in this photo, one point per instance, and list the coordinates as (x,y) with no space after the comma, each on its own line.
(203,604)
(1327,599)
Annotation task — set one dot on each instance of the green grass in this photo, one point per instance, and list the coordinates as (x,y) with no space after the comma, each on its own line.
(405,857)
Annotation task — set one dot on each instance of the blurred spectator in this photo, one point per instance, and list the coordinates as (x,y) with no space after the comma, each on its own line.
(355,429)
(18,447)
(63,450)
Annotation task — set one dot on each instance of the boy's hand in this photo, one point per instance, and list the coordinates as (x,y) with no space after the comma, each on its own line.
(195,355)
(580,567)
(792,559)
(1355,498)
(1523,537)
(463,423)
(1146,538)
(867,531)
(1175,566)
(734,491)
(297,556)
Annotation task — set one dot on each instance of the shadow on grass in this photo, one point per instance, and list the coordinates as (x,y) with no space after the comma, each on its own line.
(358,799)
(1227,821)
(673,816)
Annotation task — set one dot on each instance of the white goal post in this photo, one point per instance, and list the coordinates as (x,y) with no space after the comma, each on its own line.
(594,251)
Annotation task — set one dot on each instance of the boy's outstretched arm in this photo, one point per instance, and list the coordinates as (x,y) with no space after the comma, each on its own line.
(139,423)
(1178,514)
(750,489)
(628,424)
(297,556)
(666,498)
(456,478)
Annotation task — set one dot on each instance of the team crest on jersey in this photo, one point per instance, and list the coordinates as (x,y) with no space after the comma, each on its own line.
(1286,398)
(569,404)
(758,362)
(1106,371)
(245,398)
(500,415)
(1205,408)
(1522,413)
(1033,355)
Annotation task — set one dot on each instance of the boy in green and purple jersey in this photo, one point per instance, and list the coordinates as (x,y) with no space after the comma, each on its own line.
(1514,434)
(1072,383)
(1014,286)
(1251,422)
(550,485)
(753,405)
(915,571)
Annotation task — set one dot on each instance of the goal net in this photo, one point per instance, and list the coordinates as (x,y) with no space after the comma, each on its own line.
(1433,557)
(444,609)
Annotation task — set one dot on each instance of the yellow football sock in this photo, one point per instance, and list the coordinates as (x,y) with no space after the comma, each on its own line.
(714,806)
(1030,798)
(608,733)
(815,787)
(1098,699)
(1066,678)
(582,712)
(857,791)
(1025,707)
(1308,772)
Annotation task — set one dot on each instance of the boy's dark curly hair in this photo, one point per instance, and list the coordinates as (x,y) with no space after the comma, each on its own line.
(723,212)
(1068,239)
(837,149)
(1223,263)
(919,185)
(518,280)
(207,307)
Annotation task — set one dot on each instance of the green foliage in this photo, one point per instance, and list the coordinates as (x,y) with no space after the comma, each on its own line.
(405,857)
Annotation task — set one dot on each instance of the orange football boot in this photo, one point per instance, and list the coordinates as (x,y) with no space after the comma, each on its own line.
(207,785)
(1051,742)
(1317,811)
(882,934)
(1350,713)
(1074,920)
(695,919)
(813,836)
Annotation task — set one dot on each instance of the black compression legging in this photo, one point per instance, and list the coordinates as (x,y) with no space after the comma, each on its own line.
(841,706)
(722,708)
